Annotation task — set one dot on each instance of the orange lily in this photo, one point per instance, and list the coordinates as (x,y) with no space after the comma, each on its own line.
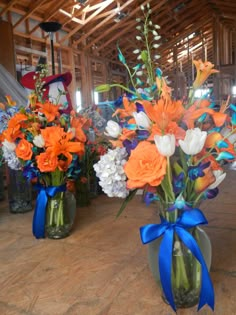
(204,70)
(129,108)
(50,110)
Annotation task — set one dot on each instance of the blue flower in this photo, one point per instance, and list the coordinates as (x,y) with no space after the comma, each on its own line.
(197,171)
(178,183)
(149,198)
(130,145)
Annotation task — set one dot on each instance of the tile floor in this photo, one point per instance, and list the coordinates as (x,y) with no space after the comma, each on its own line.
(102,268)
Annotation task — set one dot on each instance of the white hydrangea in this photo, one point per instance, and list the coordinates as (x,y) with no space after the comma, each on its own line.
(11,158)
(109,169)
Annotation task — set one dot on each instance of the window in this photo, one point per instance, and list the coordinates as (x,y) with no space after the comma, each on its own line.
(78,100)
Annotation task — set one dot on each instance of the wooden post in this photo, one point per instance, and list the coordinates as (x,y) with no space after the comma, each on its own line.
(86,78)
(7,51)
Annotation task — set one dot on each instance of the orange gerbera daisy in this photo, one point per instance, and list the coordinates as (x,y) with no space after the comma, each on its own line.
(50,110)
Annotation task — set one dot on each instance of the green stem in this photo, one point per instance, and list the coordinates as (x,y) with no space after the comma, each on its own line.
(181,274)
(196,265)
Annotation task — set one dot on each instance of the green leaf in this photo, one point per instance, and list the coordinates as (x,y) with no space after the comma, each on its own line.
(127,199)
(103,88)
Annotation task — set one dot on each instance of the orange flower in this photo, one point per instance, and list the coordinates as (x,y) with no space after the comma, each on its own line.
(204,70)
(52,135)
(201,183)
(78,123)
(10,102)
(24,150)
(50,110)
(11,134)
(145,166)
(46,162)
(129,108)
(16,120)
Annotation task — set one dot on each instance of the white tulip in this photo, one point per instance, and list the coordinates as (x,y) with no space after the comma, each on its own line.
(219,176)
(113,129)
(10,146)
(39,141)
(194,141)
(142,120)
(165,144)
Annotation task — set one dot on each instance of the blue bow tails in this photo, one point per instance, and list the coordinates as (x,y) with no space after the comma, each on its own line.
(38,227)
(187,220)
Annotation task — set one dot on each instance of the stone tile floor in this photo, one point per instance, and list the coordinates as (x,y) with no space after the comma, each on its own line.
(102,268)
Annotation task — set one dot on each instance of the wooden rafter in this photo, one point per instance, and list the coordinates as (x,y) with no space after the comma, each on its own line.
(34,7)
(7,7)
(101,8)
(52,11)
(83,38)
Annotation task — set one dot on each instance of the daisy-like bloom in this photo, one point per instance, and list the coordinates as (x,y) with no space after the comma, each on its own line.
(204,70)
(49,110)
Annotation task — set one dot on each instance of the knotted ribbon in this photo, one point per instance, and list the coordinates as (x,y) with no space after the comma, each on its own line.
(41,205)
(188,219)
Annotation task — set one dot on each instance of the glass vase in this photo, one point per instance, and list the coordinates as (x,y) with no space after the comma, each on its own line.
(185,269)
(61,210)
(19,192)
(2,195)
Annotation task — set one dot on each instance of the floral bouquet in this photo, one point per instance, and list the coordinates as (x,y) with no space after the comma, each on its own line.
(174,150)
(49,146)
(96,145)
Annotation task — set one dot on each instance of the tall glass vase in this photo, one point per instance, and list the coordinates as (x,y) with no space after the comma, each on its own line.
(185,270)
(61,210)
(2,194)
(19,192)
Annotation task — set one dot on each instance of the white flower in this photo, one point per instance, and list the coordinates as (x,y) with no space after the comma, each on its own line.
(142,120)
(39,141)
(219,176)
(194,141)
(11,158)
(109,169)
(165,144)
(233,166)
(10,146)
(113,129)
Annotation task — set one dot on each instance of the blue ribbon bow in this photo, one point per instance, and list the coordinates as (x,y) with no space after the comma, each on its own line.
(188,219)
(40,208)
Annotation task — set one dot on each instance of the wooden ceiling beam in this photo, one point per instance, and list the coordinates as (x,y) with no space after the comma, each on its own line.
(92,30)
(7,7)
(34,7)
(133,12)
(100,9)
(55,7)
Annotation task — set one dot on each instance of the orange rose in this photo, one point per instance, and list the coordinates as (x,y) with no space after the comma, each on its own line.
(24,150)
(145,166)
(46,162)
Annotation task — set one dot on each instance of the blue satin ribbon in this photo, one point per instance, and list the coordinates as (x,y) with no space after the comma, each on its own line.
(188,219)
(41,205)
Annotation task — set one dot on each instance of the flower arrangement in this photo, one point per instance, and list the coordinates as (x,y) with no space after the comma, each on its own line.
(96,145)
(174,150)
(48,146)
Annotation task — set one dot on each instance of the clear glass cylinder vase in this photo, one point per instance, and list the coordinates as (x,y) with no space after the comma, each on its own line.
(61,210)
(19,192)
(185,269)
(2,194)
